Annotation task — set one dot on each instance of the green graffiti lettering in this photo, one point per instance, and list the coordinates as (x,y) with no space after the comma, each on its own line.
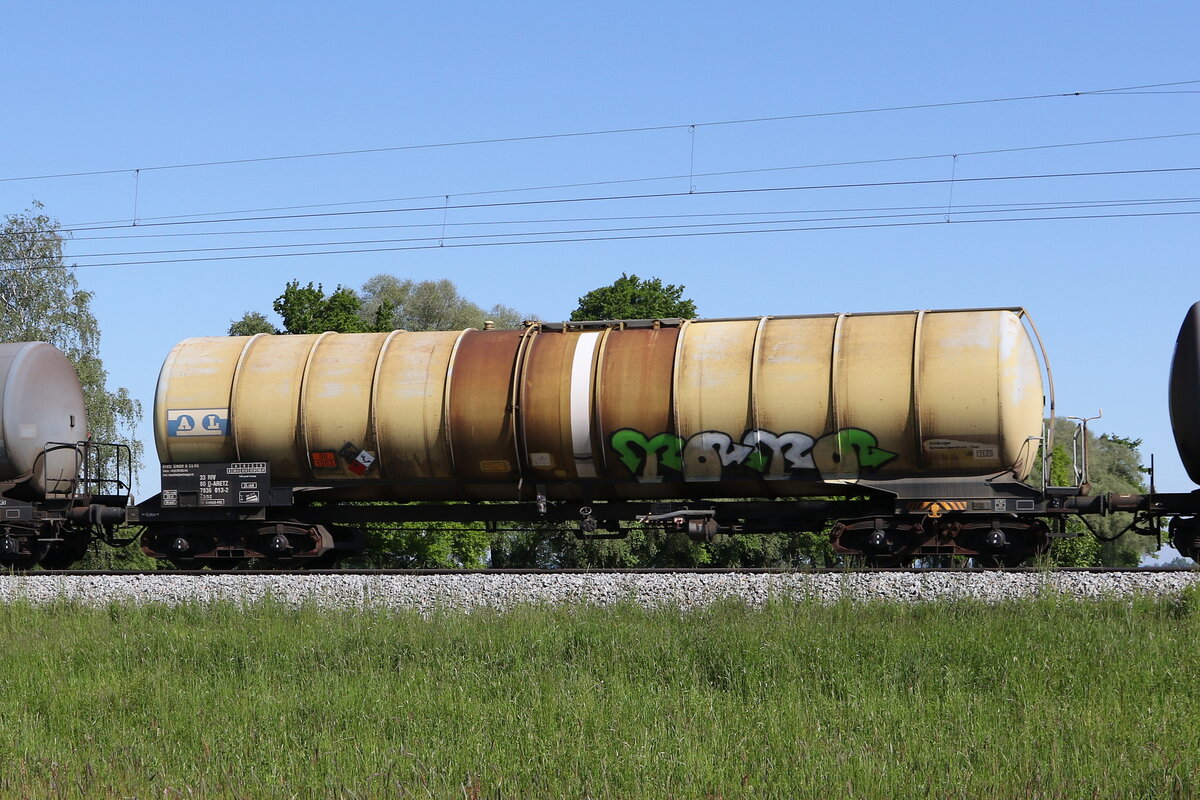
(790,454)
(870,455)
(757,461)
(642,455)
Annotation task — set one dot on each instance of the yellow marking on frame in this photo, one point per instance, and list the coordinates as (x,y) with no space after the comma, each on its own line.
(935,508)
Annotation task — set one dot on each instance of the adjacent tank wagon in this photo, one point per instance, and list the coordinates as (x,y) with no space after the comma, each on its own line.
(58,489)
(42,405)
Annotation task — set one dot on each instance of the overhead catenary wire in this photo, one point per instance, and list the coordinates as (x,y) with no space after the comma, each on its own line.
(600,132)
(676,194)
(643,196)
(1177,91)
(183,225)
(623,229)
(632,217)
(622,238)
(647,179)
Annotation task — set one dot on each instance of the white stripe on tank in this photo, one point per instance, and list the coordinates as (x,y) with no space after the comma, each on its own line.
(581,404)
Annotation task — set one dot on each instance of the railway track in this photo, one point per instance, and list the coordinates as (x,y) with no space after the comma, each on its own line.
(626,571)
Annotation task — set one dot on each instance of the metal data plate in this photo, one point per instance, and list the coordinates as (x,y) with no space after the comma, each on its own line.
(239,484)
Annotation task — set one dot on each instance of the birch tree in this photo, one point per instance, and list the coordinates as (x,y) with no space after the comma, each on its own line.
(40,300)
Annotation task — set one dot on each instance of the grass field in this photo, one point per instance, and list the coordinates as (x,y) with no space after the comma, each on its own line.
(1032,699)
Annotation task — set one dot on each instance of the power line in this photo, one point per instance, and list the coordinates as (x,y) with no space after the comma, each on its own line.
(642,236)
(650,179)
(928,212)
(1180,91)
(631,217)
(645,196)
(604,132)
(626,238)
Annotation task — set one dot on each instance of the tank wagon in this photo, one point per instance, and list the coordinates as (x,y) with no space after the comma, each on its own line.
(58,489)
(914,433)
(904,434)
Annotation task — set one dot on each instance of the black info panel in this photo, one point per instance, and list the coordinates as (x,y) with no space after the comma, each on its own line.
(239,484)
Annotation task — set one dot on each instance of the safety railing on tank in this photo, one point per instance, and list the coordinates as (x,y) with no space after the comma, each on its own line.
(1079,449)
(107,473)
(1080,469)
(1048,428)
(60,481)
(102,471)
(95,469)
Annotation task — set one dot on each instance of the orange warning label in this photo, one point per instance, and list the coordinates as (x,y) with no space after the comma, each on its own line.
(323,459)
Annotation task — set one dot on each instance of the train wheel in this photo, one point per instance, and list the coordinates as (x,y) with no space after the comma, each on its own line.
(1185,536)
(290,545)
(21,561)
(61,555)
(877,543)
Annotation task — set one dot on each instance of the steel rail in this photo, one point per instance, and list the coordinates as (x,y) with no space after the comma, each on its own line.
(622,571)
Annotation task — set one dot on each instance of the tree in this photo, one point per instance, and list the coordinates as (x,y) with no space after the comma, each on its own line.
(1081,549)
(555,547)
(507,317)
(40,300)
(1114,467)
(417,545)
(306,309)
(389,302)
(384,303)
(251,323)
(630,297)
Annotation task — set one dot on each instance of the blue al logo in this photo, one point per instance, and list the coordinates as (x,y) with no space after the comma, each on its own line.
(198,422)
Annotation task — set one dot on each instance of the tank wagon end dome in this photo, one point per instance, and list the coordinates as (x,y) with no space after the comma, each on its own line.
(41,402)
(1184,393)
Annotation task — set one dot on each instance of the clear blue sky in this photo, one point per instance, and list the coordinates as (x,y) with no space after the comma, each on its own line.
(119,86)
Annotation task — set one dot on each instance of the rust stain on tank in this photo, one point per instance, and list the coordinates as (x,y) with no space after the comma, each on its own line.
(482,434)
(634,392)
(546,402)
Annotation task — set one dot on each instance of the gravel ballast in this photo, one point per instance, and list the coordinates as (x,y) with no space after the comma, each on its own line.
(499,591)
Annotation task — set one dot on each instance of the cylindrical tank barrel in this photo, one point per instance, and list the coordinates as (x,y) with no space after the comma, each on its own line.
(42,417)
(771,406)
